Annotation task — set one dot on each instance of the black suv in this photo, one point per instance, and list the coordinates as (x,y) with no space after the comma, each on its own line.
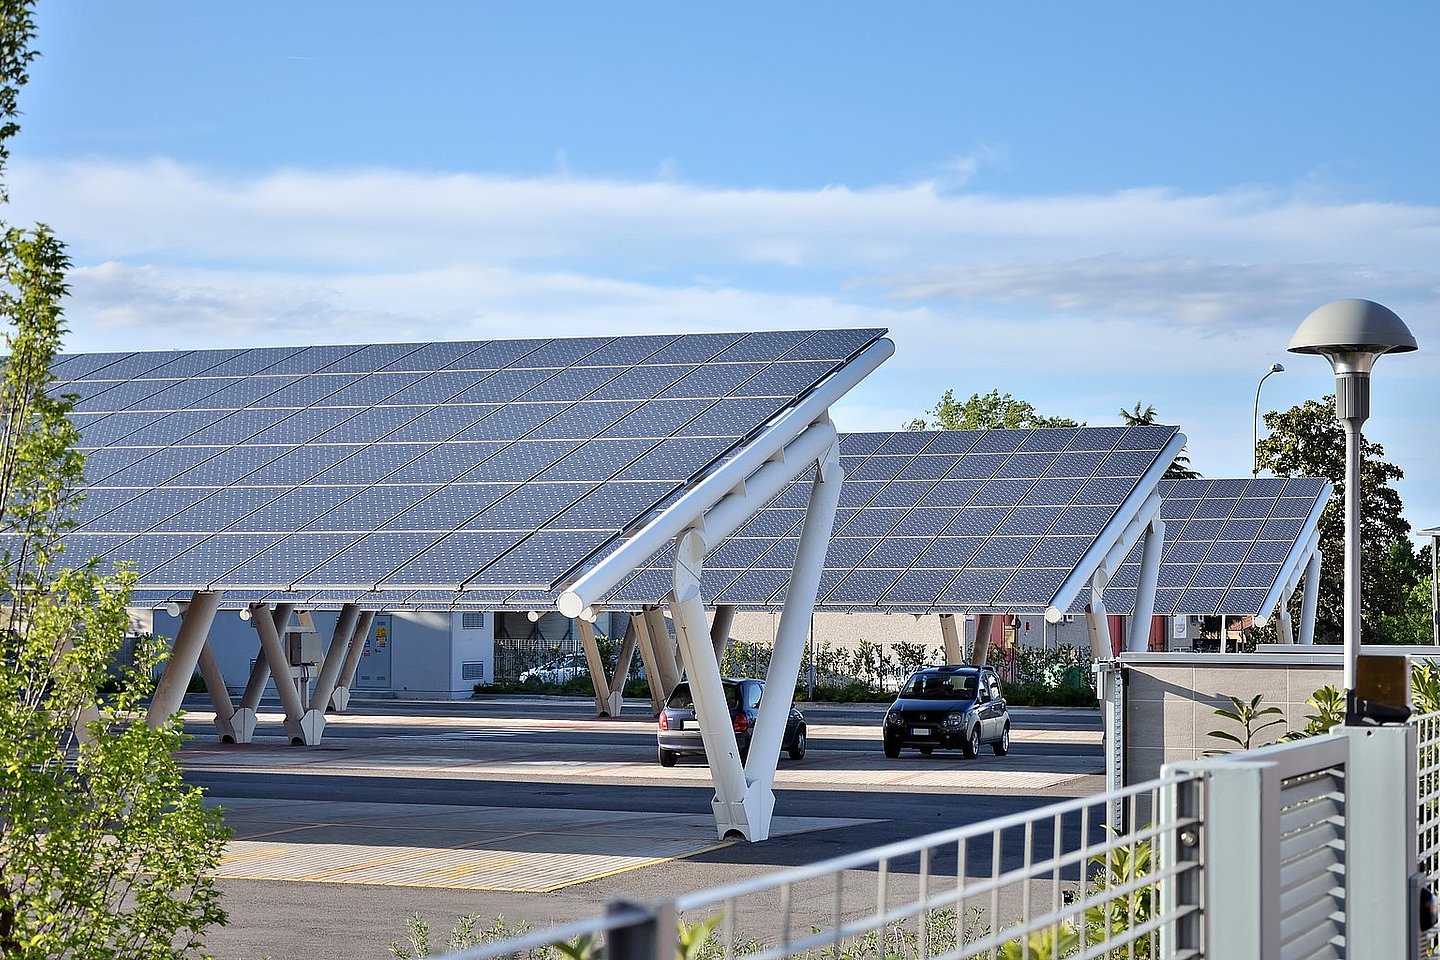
(948,707)
(677,730)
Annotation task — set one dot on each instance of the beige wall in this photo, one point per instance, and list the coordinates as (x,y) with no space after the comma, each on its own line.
(848,629)
(1170,700)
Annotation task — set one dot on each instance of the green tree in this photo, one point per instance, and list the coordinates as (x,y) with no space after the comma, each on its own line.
(993,409)
(1178,470)
(1308,441)
(104,851)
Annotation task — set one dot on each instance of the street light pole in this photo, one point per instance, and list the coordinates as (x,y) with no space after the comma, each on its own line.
(1255,422)
(1352,334)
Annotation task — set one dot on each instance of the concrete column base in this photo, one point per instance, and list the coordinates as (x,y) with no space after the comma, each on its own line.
(242,726)
(312,726)
(340,698)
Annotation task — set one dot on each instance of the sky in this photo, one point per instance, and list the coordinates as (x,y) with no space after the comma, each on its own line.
(1084,205)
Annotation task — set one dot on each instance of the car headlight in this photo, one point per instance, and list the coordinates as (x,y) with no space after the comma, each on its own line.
(893,719)
(955,720)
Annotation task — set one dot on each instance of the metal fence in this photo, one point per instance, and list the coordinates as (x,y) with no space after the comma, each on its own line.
(1248,856)
(1427,802)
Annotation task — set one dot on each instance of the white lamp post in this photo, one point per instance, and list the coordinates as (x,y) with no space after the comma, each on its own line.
(1352,334)
(1255,421)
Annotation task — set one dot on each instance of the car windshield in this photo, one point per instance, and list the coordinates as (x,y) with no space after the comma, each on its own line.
(938,686)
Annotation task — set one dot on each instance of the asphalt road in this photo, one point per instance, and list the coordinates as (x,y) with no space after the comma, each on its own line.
(392,767)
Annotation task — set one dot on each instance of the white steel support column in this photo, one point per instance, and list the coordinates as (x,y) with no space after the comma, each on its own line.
(654,679)
(335,655)
(1097,622)
(1285,631)
(184,656)
(687,609)
(623,657)
(1311,602)
(790,639)
(269,629)
(340,699)
(599,685)
(980,650)
(226,716)
(720,626)
(663,650)
(954,642)
(1154,544)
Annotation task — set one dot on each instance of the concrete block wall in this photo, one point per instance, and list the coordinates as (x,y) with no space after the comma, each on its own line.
(1170,700)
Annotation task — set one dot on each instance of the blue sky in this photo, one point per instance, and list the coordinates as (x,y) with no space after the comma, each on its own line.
(1086,205)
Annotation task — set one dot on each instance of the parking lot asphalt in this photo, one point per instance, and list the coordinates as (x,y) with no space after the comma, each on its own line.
(536,810)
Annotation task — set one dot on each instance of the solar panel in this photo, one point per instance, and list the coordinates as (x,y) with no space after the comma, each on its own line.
(978,520)
(493,465)
(1241,539)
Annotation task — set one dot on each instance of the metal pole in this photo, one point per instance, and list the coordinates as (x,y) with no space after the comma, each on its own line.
(1255,422)
(1352,548)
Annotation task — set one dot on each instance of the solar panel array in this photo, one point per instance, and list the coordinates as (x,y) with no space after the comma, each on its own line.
(1228,543)
(943,521)
(419,468)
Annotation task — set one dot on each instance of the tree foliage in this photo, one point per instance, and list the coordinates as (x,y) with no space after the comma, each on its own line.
(992,409)
(104,851)
(1179,468)
(1308,441)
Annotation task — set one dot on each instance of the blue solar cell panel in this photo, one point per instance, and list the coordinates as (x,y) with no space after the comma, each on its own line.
(174,428)
(1227,489)
(80,548)
(1060,551)
(1051,440)
(640,383)
(974,588)
(1205,528)
(298,552)
(234,393)
(918,587)
(999,441)
(1003,552)
(497,354)
(977,522)
(1074,463)
(675,457)
(924,522)
(1214,574)
(950,552)
(583,421)
(301,464)
(1244,598)
(611,506)
(106,462)
(122,395)
(595,460)
(218,510)
(1288,530)
(229,466)
(1002,493)
(519,462)
(367,425)
(512,421)
(897,552)
(160,467)
(250,362)
(831,345)
(133,366)
(879,467)
(976,467)
(742,553)
(768,345)
(433,356)
(310,391)
(628,351)
(371,463)
(371,389)
(1202,600)
(1228,551)
(1186,552)
(503,386)
(1261,575)
(951,493)
(659,420)
(901,493)
(755,586)
(202,563)
(562,353)
(1271,551)
(872,522)
(843,553)
(646,587)
(73,366)
(734,417)
(861,444)
(97,503)
(925,468)
(546,555)
(438,387)
(448,508)
(1293,508)
(785,379)
(695,348)
(857,493)
(369,509)
(1105,491)
(576,384)
(110,429)
(434,425)
(1027,465)
(530,507)
(862,586)
(293,508)
(1033,522)
(710,382)
(1055,492)
(1246,529)
(371,357)
(773,524)
(1176,511)
(309,360)
(446,462)
(303,426)
(1125,464)
(369,560)
(1031,587)
(237,427)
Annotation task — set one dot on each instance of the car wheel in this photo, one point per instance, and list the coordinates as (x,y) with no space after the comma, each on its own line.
(667,758)
(892,749)
(971,746)
(926,751)
(1002,746)
(797,749)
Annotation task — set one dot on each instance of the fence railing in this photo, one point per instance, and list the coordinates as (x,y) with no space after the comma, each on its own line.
(1248,856)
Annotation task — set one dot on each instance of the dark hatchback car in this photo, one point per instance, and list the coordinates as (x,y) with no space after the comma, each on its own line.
(678,731)
(949,707)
